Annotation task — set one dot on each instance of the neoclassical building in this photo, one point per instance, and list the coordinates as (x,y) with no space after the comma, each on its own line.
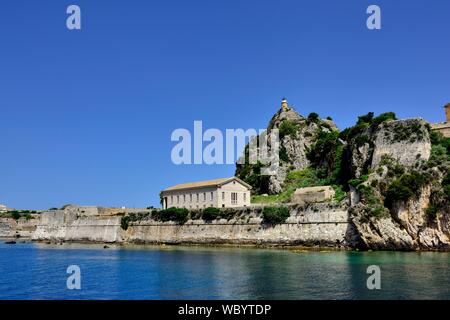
(219,193)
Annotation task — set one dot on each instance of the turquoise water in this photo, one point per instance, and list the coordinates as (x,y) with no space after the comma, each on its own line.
(38,271)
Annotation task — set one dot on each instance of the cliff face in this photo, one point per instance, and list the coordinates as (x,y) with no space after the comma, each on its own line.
(397,197)
(396,172)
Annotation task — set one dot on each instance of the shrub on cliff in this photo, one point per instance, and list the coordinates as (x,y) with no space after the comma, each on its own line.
(288,128)
(211,213)
(405,187)
(179,215)
(313,117)
(124,222)
(275,215)
(15,215)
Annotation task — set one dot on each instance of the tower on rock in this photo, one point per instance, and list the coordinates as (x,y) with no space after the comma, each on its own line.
(284,104)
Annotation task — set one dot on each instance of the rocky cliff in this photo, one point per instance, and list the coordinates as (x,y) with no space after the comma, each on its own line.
(396,174)
(400,192)
(296,134)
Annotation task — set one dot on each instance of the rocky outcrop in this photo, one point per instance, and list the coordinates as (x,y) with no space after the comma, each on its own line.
(297,134)
(405,141)
(392,206)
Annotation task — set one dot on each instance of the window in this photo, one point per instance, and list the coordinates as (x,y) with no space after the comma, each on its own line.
(171,199)
(245,197)
(197,197)
(233,198)
(184,198)
(190,197)
(178,199)
(204,196)
(212,196)
(223,196)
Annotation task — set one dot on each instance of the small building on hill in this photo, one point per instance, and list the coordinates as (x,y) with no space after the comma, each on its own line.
(444,127)
(3,208)
(219,193)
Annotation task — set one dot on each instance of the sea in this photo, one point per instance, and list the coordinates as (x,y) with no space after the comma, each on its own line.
(34,271)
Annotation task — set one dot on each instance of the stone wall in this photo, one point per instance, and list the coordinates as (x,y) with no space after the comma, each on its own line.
(443,128)
(21,228)
(63,225)
(319,224)
(327,228)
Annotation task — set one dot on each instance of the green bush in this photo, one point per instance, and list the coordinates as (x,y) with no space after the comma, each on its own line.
(283,154)
(124,222)
(210,213)
(367,118)
(15,215)
(431,211)
(356,182)
(288,128)
(384,117)
(339,193)
(313,117)
(373,205)
(173,214)
(275,215)
(405,187)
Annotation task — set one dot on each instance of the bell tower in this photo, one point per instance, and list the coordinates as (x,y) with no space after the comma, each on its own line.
(284,104)
(447,112)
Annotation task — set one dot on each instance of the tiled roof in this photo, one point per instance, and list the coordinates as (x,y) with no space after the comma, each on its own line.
(207,183)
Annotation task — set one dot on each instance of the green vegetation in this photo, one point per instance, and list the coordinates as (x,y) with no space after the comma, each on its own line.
(356,182)
(275,215)
(374,207)
(309,177)
(324,152)
(283,154)
(340,194)
(313,117)
(251,173)
(431,211)
(179,215)
(211,213)
(288,128)
(405,187)
(17,214)
(124,222)
(411,133)
(366,123)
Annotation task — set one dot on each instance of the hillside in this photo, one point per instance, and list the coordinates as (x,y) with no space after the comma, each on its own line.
(393,174)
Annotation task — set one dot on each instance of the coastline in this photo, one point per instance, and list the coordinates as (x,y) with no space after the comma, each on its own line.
(297,248)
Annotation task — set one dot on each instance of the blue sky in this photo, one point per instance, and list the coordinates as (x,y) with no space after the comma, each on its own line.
(86,116)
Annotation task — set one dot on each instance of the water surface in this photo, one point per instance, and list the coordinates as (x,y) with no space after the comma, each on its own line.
(38,271)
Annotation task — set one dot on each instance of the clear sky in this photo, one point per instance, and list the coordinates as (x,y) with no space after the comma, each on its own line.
(86,115)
